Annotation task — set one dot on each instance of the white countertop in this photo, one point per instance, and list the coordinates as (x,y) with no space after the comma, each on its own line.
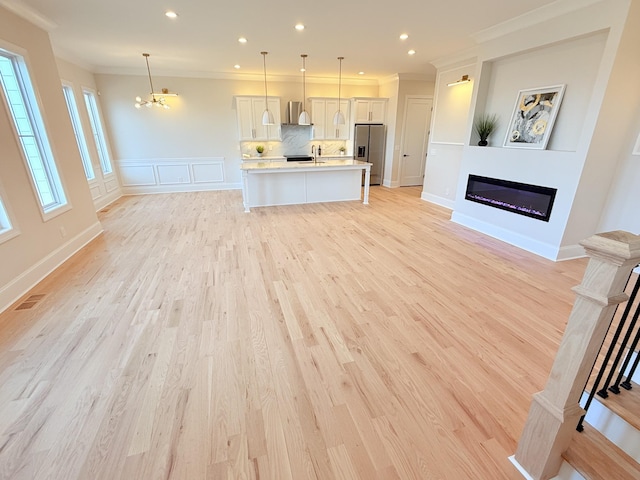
(322,162)
(283,159)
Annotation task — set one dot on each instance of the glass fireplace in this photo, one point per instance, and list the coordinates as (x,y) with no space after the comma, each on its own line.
(521,198)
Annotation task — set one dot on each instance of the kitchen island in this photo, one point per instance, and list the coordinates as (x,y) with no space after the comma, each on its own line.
(277,182)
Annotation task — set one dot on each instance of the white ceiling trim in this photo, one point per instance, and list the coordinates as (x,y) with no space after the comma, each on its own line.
(253,77)
(29,14)
(529,19)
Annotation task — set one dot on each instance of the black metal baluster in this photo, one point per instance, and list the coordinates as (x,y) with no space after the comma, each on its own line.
(603,392)
(594,388)
(627,384)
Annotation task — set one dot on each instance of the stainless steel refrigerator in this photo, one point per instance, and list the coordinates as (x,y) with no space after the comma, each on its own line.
(369,147)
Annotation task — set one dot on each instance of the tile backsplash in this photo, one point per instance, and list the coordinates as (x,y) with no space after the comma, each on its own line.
(296,140)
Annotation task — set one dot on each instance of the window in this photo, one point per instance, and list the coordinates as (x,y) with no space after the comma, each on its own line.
(77,130)
(8,229)
(98,133)
(5,224)
(29,126)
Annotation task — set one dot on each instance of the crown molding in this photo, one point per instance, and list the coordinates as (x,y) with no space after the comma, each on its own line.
(247,77)
(30,14)
(529,19)
(464,57)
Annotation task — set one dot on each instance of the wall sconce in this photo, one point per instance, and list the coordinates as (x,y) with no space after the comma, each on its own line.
(464,79)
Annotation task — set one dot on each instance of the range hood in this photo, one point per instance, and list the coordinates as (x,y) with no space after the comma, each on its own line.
(293,112)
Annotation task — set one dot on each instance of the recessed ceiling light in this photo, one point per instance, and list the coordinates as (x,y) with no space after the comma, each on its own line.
(404,36)
(303,69)
(360,73)
(242,40)
(171,14)
(236,66)
(411,52)
(299,27)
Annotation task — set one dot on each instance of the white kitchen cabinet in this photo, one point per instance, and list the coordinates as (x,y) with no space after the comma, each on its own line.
(249,112)
(322,112)
(370,110)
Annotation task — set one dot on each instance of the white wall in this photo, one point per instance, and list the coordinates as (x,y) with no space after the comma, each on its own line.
(616,134)
(396,89)
(390,89)
(449,127)
(201,125)
(41,245)
(557,167)
(576,48)
(104,188)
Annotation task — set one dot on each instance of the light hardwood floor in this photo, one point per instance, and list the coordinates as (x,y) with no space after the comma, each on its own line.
(326,341)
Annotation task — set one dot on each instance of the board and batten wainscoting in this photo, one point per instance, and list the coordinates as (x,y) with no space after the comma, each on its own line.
(164,175)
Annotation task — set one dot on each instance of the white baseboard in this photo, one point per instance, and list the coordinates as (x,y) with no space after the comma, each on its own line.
(570,252)
(107,200)
(147,189)
(539,248)
(12,291)
(567,472)
(390,184)
(443,202)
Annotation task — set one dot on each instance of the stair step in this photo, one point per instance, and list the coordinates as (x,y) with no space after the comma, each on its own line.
(626,404)
(596,458)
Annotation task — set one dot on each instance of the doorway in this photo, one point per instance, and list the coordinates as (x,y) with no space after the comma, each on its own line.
(415,137)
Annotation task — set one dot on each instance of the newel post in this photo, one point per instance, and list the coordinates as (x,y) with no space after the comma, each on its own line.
(554,412)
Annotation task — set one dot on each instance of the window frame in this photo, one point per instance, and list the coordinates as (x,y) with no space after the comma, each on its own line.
(98,132)
(76,123)
(11,230)
(31,100)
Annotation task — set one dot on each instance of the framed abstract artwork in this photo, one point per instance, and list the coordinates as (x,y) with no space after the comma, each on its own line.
(533,117)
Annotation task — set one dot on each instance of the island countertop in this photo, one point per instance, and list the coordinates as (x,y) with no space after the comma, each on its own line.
(277,182)
(322,163)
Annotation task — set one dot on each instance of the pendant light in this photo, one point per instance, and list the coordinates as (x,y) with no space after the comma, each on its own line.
(304,119)
(158,102)
(338,118)
(267,116)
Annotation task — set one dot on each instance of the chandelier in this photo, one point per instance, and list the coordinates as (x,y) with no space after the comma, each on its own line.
(157,99)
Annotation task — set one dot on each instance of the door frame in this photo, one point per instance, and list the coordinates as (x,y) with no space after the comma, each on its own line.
(425,144)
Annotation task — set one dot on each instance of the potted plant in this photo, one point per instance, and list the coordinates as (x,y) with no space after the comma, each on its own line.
(484,126)
(259,149)
(342,150)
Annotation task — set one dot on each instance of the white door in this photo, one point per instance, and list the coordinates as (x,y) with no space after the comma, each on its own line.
(415,134)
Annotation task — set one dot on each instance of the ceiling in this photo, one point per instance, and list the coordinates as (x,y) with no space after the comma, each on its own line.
(110,37)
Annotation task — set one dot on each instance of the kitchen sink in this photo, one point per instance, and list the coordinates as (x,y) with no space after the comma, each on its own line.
(299,158)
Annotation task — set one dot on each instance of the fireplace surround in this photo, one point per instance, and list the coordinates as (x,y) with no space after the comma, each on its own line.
(530,200)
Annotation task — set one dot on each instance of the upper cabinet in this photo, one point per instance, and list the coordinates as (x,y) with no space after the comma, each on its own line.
(249,111)
(370,110)
(322,112)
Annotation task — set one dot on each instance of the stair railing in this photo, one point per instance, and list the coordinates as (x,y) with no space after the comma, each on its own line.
(554,412)
(624,349)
